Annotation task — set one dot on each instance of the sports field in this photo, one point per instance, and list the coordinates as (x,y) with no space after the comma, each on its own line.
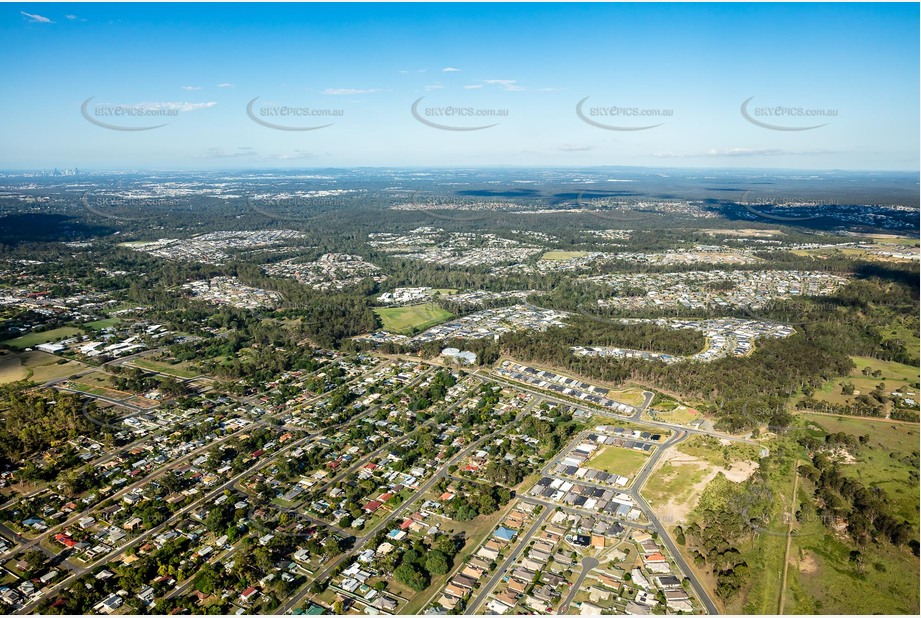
(411,319)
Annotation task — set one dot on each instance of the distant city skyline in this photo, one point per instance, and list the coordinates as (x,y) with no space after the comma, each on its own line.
(236,86)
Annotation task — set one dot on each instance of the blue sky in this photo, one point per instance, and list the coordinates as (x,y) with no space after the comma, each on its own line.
(687,68)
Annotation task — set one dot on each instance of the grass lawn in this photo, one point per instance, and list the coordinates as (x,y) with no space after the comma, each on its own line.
(99,391)
(33,339)
(11,368)
(411,319)
(558,256)
(179,370)
(36,366)
(891,370)
(679,415)
(54,371)
(630,396)
(100,324)
(617,460)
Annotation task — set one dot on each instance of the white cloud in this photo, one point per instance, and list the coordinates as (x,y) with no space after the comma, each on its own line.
(71,16)
(571,148)
(450,70)
(220,153)
(473,86)
(38,19)
(338,91)
(225,85)
(738,152)
(435,86)
(510,85)
(294,156)
(177,105)
(191,87)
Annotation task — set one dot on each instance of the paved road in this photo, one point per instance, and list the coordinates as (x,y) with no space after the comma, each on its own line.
(205,499)
(360,541)
(648,396)
(650,423)
(140,539)
(504,567)
(664,534)
(588,563)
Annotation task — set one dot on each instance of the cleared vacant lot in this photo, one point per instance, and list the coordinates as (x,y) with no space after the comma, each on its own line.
(562,255)
(617,460)
(411,319)
(179,370)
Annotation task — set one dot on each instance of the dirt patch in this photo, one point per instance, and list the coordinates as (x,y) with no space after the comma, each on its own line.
(675,510)
(740,471)
(807,563)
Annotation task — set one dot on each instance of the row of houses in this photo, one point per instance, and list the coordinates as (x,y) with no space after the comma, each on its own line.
(563,385)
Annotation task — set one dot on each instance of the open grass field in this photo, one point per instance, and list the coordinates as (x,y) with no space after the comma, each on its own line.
(617,460)
(180,370)
(33,339)
(712,450)
(98,378)
(36,366)
(823,580)
(679,415)
(11,368)
(411,319)
(558,256)
(885,461)
(894,376)
(631,396)
(99,391)
(46,367)
(100,324)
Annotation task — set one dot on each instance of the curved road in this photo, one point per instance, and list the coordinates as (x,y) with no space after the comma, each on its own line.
(588,563)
